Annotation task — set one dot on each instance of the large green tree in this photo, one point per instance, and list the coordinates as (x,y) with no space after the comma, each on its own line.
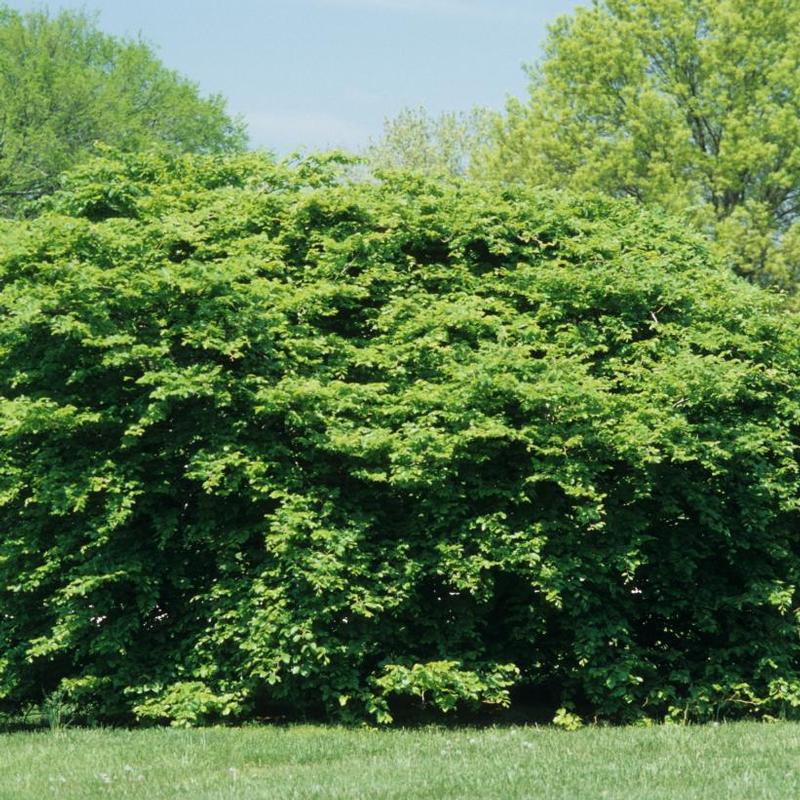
(65,85)
(269,439)
(693,105)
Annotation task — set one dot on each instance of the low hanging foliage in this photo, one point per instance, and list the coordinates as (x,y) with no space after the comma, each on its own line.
(277,442)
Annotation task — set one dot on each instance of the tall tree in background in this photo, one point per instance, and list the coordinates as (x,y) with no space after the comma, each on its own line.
(452,143)
(690,104)
(65,85)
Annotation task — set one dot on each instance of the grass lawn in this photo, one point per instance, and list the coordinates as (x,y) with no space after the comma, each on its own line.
(728,761)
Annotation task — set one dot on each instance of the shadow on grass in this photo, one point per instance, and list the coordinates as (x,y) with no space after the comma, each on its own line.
(527,708)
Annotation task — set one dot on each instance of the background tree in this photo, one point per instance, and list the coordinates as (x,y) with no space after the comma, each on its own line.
(64,85)
(690,104)
(452,143)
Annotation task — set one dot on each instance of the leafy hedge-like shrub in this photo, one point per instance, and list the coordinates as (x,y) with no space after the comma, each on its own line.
(271,439)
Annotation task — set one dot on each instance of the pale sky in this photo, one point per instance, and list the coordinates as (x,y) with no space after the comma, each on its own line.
(327,73)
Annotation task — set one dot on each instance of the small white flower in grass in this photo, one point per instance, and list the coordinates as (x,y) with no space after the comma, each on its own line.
(104,777)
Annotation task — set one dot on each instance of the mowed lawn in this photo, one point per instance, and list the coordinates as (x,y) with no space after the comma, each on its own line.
(726,761)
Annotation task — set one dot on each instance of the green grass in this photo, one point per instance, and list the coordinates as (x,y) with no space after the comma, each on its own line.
(727,761)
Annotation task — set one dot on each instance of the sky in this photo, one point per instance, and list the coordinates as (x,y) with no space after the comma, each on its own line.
(328,73)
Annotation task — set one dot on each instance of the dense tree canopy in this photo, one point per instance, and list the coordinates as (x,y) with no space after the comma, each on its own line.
(65,85)
(269,439)
(693,105)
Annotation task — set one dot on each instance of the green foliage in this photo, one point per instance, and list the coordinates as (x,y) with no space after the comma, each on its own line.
(56,710)
(272,440)
(65,85)
(449,144)
(567,720)
(444,685)
(693,105)
(186,703)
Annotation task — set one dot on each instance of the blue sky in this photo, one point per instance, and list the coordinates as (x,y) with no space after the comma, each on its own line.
(320,73)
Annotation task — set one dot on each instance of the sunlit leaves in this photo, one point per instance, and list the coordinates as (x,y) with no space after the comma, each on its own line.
(274,441)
